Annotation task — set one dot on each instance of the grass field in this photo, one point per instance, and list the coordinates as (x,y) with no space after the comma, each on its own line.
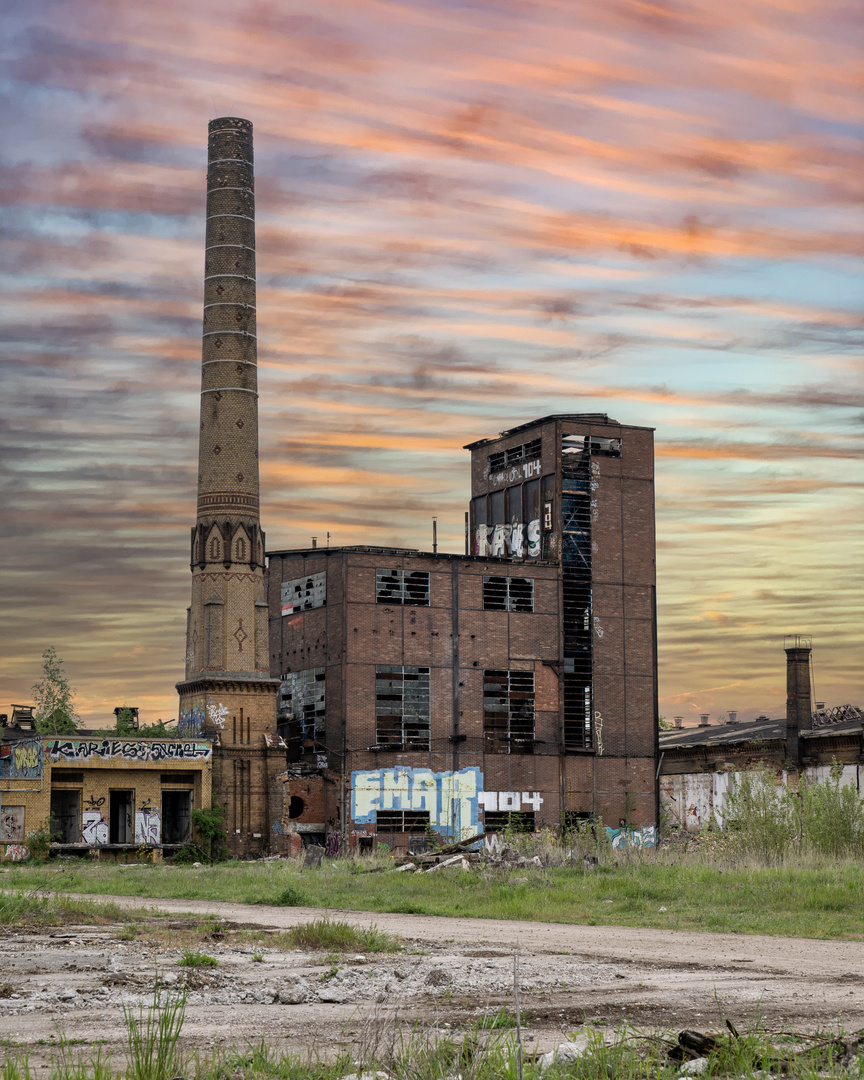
(815,899)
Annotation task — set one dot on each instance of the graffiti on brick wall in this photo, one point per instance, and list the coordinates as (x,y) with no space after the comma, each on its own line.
(510,800)
(191,720)
(17,852)
(637,838)
(216,713)
(75,750)
(94,829)
(21,760)
(451,799)
(148,825)
(11,823)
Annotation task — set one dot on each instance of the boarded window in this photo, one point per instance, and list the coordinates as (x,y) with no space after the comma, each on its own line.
(402,587)
(303,594)
(510,820)
(302,703)
(508,593)
(405,821)
(508,712)
(402,707)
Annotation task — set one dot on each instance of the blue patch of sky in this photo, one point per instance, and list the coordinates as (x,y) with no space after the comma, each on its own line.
(63,224)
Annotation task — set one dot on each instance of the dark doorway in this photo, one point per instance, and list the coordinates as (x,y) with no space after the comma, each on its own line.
(176,808)
(121,826)
(66,816)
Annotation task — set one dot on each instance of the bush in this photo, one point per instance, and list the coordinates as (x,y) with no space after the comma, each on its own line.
(39,843)
(208,831)
(759,816)
(832,817)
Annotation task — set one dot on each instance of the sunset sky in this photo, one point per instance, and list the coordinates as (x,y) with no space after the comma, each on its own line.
(470,213)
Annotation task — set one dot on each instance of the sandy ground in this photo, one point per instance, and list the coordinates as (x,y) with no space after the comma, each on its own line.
(451,972)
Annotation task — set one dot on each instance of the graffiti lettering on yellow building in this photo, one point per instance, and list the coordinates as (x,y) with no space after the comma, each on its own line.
(75,750)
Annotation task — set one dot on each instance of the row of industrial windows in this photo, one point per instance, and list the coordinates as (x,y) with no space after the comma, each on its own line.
(396,586)
(403,717)
(418,822)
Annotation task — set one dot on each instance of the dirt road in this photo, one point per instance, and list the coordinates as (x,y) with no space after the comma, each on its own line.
(451,972)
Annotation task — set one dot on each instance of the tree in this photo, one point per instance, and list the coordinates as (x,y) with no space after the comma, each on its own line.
(54,698)
(126,722)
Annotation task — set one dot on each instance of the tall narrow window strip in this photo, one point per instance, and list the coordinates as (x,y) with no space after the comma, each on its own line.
(397,586)
(402,708)
(508,711)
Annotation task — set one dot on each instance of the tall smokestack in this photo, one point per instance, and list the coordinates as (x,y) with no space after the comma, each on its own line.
(227,689)
(798,695)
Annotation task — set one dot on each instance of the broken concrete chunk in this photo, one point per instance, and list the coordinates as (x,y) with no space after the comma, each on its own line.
(565,1054)
(694,1068)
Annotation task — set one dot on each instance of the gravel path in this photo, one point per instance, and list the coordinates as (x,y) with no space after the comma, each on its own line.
(451,972)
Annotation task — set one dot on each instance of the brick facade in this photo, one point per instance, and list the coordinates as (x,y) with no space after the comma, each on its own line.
(465,778)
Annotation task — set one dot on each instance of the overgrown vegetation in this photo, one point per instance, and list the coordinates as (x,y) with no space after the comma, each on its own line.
(154,1052)
(788,863)
(30,910)
(330,935)
(769,821)
(209,843)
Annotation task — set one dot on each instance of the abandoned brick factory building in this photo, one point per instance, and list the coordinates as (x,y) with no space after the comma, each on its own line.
(360,695)
(356,696)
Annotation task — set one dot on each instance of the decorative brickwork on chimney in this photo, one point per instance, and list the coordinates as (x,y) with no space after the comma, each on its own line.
(228,691)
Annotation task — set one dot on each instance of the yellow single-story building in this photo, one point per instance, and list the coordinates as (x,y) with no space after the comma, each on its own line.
(110,795)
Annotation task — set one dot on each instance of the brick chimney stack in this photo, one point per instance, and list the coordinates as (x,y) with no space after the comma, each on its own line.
(228,691)
(798,695)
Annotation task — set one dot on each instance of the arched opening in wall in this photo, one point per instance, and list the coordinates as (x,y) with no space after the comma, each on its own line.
(296,806)
(214,547)
(240,548)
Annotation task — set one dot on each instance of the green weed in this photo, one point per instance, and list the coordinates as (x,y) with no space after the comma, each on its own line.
(152,1036)
(192,958)
(333,936)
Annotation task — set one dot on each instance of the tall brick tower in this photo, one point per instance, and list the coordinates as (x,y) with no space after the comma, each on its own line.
(228,689)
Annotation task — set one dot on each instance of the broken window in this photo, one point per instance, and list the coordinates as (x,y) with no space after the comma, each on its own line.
(576,444)
(508,712)
(302,705)
(405,821)
(515,455)
(303,594)
(509,820)
(508,593)
(402,707)
(402,587)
